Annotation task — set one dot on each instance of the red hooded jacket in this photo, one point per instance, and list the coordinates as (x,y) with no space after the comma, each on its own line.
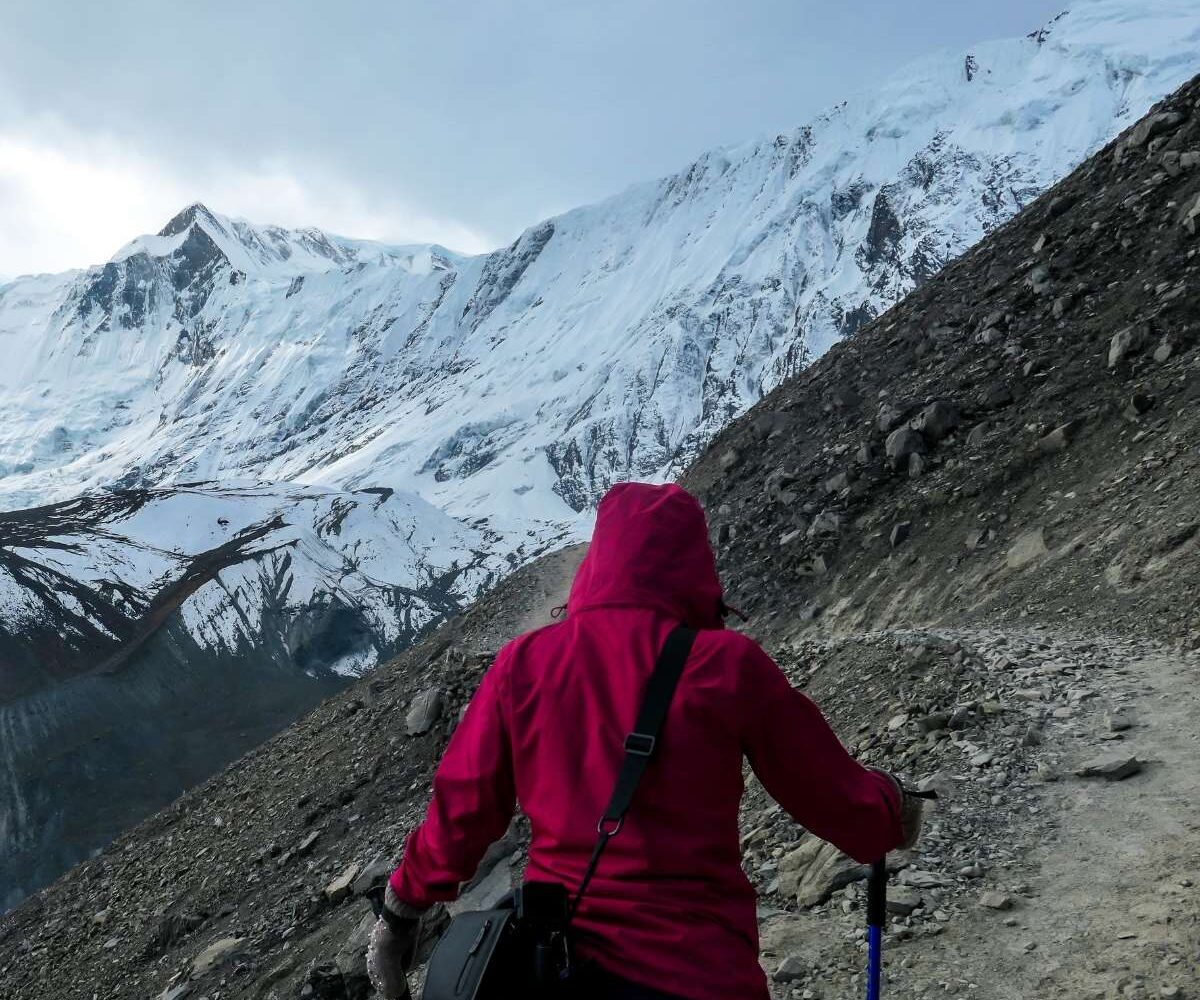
(670,907)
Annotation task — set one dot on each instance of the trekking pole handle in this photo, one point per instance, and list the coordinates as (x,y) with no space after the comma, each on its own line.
(877,894)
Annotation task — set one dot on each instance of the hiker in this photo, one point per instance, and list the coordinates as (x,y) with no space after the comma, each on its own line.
(670,912)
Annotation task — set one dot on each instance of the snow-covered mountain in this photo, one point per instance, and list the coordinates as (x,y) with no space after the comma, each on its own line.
(148,636)
(605,343)
(496,395)
(88,580)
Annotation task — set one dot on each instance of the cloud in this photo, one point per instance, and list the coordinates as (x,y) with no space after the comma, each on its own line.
(69,199)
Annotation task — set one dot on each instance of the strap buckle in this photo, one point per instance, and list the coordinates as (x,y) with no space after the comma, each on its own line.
(640,744)
(610,827)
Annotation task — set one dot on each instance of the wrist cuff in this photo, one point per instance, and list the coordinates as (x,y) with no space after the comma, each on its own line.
(396,907)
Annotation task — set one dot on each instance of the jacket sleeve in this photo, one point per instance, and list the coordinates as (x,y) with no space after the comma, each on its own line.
(473,801)
(805,768)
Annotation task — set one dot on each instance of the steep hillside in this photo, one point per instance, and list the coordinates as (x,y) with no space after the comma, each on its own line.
(149,637)
(970,530)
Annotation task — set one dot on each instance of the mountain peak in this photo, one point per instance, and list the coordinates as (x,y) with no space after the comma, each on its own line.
(196,211)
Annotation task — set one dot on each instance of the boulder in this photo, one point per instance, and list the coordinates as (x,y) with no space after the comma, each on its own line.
(1060,205)
(933,722)
(777,486)
(988,336)
(793,967)
(1123,344)
(977,436)
(324,982)
(835,484)
(1027,549)
(766,425)
(845,398)
(903,901)
(890,417)
(810,612)
(937,420)
(339,888)
(1038,278)
(1191,217)
(215,955)
(1058,439)
(815,870)
(918,879)
(867,454)
(828,522)
(994,900)
(1153,125)
(374,874)
(1113,767)
(1118,721)
(352,958)
(904,442)
(899,533)
(424,712)
(1141,402)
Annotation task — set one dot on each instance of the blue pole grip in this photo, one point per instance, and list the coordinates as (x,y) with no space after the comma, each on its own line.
(874,961)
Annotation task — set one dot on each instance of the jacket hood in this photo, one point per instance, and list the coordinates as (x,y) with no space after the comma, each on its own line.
(650,548)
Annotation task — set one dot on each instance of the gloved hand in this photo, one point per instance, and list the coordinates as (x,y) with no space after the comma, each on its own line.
(392,947)
(912,810)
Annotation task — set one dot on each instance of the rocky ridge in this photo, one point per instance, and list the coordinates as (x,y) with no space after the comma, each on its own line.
(1005,599)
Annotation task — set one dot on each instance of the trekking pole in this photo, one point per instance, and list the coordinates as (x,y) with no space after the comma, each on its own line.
(876,911)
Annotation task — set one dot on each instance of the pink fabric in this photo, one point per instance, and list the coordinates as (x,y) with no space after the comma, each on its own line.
(670,906)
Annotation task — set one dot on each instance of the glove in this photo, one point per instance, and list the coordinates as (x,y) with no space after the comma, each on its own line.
(392,947)
(912,810)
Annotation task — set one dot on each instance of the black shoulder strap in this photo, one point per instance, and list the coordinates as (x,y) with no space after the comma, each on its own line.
(640,744)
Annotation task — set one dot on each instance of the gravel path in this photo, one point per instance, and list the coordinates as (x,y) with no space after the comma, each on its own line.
(1097,881)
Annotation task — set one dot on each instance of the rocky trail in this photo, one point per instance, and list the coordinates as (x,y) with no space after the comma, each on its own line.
(1031,880)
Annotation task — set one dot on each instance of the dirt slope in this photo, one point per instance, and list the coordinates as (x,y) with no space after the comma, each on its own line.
(1016,603)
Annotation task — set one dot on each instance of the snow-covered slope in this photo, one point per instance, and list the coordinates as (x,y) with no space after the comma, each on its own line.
(505,391)
(608,342)
(147,637)
(85,582)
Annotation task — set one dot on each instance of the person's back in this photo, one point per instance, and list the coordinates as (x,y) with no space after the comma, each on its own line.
(670,907)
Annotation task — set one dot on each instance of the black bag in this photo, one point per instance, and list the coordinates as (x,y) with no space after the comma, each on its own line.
(523,948)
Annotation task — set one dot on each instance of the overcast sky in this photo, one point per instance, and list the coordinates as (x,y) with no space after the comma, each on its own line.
(460,123)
